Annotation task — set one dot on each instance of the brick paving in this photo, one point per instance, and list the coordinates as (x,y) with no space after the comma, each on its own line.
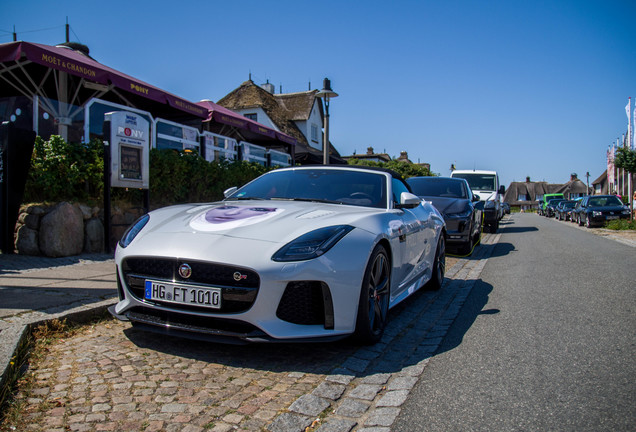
(111,377)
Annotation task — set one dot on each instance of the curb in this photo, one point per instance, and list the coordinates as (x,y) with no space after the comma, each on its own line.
(17,335)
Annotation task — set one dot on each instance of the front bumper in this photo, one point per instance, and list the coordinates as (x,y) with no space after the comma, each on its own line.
(295,301)
(457,231)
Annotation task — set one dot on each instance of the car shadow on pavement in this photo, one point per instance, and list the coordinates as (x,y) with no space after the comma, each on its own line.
(473,307)
(518,229)
(319,357)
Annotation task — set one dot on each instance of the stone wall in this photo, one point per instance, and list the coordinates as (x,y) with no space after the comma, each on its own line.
(66,229)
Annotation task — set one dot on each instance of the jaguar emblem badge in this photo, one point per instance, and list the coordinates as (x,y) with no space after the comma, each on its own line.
(185,271)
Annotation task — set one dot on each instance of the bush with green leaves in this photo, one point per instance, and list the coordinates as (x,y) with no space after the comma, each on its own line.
(62,171)
(65,171)
(405,169)
(621,224)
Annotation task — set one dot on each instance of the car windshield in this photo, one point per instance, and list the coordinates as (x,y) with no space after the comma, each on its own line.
(340,186)
(569,204)
(554,202)
(484,182)
(604,201)
(431,186)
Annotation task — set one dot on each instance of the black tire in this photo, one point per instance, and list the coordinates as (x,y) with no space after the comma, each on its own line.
(439,265)
(494,227)
(373,306)
(467,248)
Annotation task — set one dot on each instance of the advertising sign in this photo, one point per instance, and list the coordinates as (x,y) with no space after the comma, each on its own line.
(129,149)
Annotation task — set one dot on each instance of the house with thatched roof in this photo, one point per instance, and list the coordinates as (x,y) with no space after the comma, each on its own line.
(526,195)
(370,155)
(299,115)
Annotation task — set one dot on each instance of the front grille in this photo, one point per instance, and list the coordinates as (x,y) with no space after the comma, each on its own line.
(236,295)
(307,303)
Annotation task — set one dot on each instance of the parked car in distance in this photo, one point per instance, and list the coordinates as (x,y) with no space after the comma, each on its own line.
(462,210)
(506,207)
(563,209)
(485,184)
(546,199)
(551,206)
(298,254)
(595,210)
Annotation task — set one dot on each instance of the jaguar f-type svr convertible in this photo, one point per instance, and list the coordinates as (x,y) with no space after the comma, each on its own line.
(298,254)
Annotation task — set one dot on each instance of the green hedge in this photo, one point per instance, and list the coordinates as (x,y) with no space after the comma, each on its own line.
(62,171)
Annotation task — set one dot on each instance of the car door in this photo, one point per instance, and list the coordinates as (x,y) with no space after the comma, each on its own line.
(413,234)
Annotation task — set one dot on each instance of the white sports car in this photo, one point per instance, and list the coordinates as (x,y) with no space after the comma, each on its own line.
(298,254)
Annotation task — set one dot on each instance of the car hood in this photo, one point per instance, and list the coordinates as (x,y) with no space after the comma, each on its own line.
(605,208)
(447,205)
(485,195)
(261,220)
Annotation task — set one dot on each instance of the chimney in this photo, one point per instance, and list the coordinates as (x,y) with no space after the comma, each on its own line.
(269,87)
(369,150)
(573,177)
(528,179)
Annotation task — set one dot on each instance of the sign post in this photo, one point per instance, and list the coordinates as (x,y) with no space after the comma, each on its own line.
(126,158)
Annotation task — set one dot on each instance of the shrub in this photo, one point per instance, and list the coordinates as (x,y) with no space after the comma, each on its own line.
(62,171)
(65,171)
(621,224)
(405,169)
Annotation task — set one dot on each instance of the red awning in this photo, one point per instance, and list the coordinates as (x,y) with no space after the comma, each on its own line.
(75,63)
(226,116)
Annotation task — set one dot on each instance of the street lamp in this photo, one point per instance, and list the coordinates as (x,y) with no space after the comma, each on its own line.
(587,183)
(326,93)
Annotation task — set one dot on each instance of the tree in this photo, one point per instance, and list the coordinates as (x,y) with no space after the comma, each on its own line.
(626,159)
(405,169)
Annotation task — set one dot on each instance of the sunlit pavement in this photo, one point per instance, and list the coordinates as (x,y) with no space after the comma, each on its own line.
(113,377)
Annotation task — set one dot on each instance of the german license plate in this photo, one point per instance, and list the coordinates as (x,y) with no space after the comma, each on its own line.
(611,217)
(183,294)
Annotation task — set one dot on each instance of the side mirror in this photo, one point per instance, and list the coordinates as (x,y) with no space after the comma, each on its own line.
(229,191)
(476,198)
(502,190)
(408,200)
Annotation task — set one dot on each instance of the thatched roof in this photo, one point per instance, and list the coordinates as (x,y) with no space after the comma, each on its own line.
(533,189)
(299,105)
(283,110)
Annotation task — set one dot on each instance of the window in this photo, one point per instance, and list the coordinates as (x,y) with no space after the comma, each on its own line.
(219,147)
(398,188)
(94,117)
(251,116)
(176,136)
(314,132)
(522,197)
(253,153)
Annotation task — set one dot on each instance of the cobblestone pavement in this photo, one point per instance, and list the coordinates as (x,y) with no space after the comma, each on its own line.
(111,377)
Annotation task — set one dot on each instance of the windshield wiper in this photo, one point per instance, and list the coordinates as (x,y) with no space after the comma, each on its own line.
(245,198)
(318,200)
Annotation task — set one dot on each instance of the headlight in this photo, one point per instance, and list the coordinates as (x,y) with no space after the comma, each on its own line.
(133,230)
(464,214)
(597,213)
(626,211)
(311,245)
(489,204)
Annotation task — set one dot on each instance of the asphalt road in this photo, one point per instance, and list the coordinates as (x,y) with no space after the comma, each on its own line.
(545,341)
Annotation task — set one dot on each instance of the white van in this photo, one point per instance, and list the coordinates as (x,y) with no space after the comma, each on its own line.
(485,184)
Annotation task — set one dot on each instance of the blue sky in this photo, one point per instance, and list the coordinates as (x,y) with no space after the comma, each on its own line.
(527,88)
